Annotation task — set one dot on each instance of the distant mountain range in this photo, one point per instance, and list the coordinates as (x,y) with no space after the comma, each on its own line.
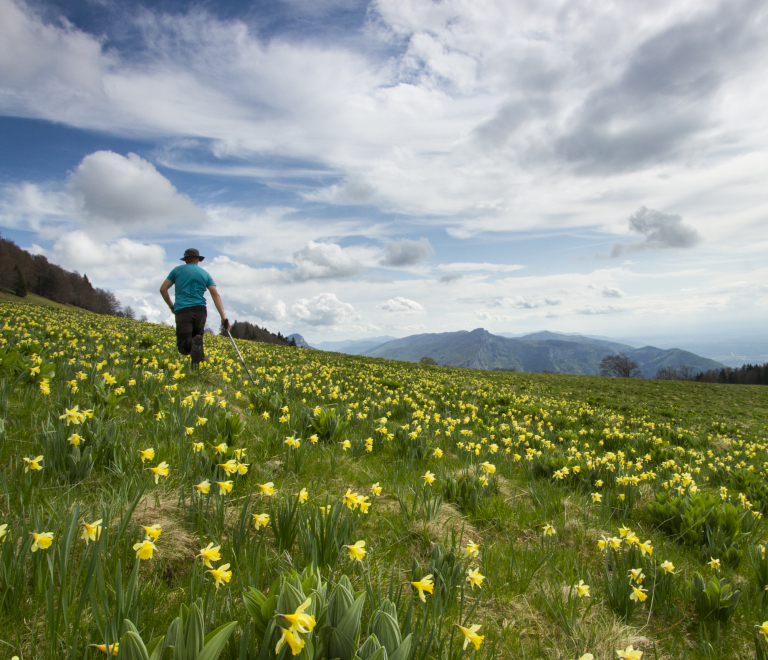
(536,352)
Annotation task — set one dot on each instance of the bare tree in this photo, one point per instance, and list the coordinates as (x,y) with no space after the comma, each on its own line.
(619,366)
(684,372)
(666,373)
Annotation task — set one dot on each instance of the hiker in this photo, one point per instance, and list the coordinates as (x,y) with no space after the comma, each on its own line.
(191,281)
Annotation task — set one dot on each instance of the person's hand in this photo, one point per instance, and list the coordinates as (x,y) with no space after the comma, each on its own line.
(173,308)
(225,324)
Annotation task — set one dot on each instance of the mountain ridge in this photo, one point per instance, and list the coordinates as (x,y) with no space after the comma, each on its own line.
(479,349)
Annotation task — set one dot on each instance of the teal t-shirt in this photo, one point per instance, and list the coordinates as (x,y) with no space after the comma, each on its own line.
(191,283)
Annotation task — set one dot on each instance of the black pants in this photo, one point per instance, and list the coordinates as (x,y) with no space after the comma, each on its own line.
(190,322)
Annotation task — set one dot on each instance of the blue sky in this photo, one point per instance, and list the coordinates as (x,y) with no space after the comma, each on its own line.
(359,168)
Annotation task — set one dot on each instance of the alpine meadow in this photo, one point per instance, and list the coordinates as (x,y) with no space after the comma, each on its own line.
(353,508)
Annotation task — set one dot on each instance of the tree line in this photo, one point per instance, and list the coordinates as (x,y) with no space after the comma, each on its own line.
(22,272)
(622,366)
(251,332)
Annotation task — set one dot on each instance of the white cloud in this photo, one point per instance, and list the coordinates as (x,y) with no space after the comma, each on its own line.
(129,192)
(405,252)
(416,327)
(122,258)
(612,292)
(484,266)
(402,305)
(591,310)
(324,309)
(317,261)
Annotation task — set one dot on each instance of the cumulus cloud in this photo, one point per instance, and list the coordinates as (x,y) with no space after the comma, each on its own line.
(405,252)
(660,230)
(324,309)
(320,261)
(592,310)
(468,267)
(451,277)
(520,302)
(402,305)
(122,258)
(411,328)
(612,292)
(128,191)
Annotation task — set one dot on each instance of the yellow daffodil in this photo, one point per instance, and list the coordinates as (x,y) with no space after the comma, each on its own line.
(313,438)
(303,495)
(91,532)
(43,540)
(201,421)
(225,486)
(587,656)
(292,639)
(636,574)
(345,444)
(300,622)
(147,454)
(429,477)
(230,467)
(221,448)
(267,489)
(144,549)
(714,564)
(265,415)
(189,429)
(548,530)
(596,497)
(629,653)
(475,577)
(645,548)
(33,463)
(139,408)
(357,551)
(221,574)
(437,453)
(74,439)
(160,470)
(582,590)
(488,467)
(261,519)
(425,584)
(210,553)
(668,566)
(363,503)
(376,489)
(72,416)
(113,648)
(242,468)
(763,629)
(470,635)
(473,549)
(153,531)
(198,446)
(638,594)
(3,532)
(203,486)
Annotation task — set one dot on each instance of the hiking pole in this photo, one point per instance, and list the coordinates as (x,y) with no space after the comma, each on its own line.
(240,356)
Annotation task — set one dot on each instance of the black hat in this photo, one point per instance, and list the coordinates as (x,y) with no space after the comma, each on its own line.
(191,252)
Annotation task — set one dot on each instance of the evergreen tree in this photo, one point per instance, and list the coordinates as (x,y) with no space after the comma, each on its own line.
(20,286)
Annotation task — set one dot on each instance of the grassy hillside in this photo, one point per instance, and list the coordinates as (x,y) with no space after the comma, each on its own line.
(33,299)
(538,515)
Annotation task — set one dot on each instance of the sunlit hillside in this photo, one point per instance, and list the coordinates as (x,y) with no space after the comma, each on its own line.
(357,508)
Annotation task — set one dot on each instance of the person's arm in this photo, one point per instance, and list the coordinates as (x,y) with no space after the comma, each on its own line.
(219,305)
(164,293)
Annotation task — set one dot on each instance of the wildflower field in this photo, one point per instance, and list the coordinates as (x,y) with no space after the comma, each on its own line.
(347,508)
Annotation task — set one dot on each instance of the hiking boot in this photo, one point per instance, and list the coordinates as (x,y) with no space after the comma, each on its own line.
(197,353)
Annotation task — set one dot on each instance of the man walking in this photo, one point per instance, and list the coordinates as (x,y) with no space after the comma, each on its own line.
(191,281)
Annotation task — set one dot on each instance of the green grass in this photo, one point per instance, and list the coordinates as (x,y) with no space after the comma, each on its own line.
(523,607)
